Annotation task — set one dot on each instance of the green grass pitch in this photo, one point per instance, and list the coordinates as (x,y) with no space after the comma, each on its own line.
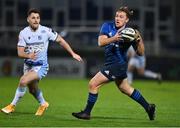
(113,109)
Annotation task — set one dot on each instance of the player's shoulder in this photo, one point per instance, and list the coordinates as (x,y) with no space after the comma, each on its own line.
(24,30)
(45,29)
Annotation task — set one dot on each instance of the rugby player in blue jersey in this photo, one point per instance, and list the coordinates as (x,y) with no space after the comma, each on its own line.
(115,67)
(33,46)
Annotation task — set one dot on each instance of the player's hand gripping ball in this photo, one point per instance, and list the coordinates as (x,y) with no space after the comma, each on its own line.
(130,34)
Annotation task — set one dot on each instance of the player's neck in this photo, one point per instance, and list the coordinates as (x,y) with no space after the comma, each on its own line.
(33,29)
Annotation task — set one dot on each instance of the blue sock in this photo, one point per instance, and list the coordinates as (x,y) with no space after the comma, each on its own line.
(136,95)
(90,103)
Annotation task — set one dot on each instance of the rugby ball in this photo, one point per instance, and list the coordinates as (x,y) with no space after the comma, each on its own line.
(128,34)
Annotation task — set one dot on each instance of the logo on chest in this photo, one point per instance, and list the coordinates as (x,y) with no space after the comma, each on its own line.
(110,34)
(39,37)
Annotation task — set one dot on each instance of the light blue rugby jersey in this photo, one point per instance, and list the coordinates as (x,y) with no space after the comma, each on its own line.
(37,41)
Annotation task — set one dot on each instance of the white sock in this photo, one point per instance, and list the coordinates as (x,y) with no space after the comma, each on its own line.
(20,91)
(130,77)
(150,74)
(40,98)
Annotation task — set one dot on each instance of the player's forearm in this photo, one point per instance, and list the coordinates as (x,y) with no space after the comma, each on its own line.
(66,46)
(105,41)
(140,44)
(23,55)
(140,48)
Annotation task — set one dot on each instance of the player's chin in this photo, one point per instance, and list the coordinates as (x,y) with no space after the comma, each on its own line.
(118,25)
(35,26)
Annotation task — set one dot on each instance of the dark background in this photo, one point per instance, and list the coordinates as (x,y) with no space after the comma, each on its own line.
(80,20)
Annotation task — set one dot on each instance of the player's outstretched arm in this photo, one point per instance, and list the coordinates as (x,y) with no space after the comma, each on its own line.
(66,46)
(22,54)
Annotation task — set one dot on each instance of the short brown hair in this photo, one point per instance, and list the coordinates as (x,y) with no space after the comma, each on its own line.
(33,10)
(125,9)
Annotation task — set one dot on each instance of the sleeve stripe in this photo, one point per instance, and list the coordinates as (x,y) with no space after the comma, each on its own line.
(56,37)
(20,46)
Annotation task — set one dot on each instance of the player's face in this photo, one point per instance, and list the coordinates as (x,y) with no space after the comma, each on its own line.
(121,19)
(34,20)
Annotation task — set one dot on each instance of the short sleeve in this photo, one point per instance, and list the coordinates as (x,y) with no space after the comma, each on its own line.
(21,41)
(104,29)
(52,34)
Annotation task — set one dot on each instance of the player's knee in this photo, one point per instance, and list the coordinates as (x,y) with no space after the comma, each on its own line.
(125,89)
(141,72)
(130,68)
(92,85)
(122,89)
(23,81)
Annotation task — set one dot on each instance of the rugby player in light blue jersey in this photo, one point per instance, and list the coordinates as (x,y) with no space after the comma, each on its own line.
(115,67)
(33,46)
(139,63)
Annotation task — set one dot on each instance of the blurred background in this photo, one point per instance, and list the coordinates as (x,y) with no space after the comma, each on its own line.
(79,21)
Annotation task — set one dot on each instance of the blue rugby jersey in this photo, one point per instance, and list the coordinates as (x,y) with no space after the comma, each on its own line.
(115,52)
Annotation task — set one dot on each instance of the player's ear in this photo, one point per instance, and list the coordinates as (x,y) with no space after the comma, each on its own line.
(127,20)
(27,20)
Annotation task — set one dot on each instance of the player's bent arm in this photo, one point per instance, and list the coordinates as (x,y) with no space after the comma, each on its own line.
(66,46)
(104,40)
(140,47)
(24,55)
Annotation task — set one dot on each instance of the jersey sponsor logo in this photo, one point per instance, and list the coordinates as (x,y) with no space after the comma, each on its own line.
(34,47)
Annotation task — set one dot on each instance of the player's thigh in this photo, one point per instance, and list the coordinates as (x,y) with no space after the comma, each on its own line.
(29,77)
(98,80)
